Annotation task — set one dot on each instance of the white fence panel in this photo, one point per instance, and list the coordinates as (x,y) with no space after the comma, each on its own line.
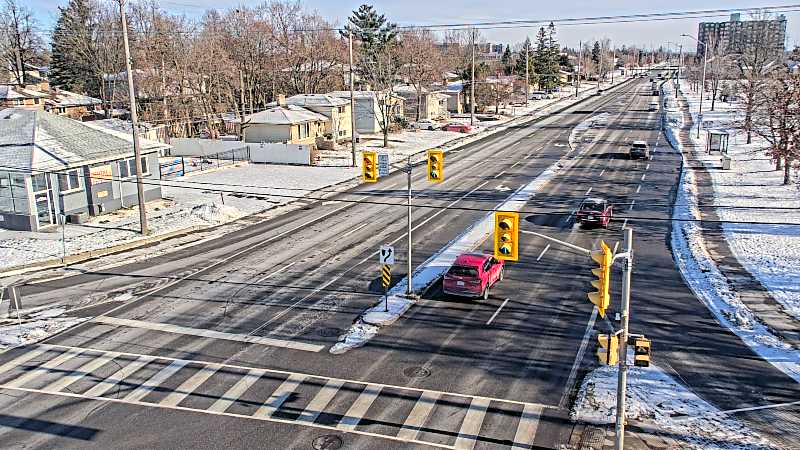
(280,153)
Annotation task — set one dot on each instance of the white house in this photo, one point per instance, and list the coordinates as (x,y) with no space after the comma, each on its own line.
(368,112)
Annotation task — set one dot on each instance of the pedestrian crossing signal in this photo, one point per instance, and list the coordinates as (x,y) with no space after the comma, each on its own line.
(608,353)
(435,165)
(506,235)
(369,167)
(641,354)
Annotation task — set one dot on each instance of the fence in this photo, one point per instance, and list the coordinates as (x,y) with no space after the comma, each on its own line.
(181,165)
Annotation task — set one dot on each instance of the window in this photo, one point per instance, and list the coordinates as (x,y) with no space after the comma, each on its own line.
(13,195)
(305,130)
(39,182)
(127,167)
(69,181)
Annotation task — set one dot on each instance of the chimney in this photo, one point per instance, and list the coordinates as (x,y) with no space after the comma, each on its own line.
(281,100)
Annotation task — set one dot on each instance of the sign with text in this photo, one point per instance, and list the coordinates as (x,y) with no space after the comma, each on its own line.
(100,174)
(383,164)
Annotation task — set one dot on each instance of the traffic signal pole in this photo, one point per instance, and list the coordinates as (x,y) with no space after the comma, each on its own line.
(622,380)
(409,288)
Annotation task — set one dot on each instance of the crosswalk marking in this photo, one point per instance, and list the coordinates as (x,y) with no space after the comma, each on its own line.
(43,368)
(155,381)
(418,416)
(280,395)
(94,364)
(189,386)
(236,391)
(103,387)
(320,401)
(22,359)
(359,407)
(471,426)
(528,424)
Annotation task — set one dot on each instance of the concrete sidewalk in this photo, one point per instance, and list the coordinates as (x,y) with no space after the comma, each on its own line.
(751,292)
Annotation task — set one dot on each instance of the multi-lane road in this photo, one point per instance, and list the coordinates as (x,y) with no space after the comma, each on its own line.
(225,344)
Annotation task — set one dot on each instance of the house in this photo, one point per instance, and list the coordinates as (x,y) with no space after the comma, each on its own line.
(336,109)
(18,96)
(289,124)
(52,165)
(368,108)
(431,105)
(455,96)
(72,105)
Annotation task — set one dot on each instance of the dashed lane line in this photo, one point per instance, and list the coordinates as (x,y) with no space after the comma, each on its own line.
(491,319)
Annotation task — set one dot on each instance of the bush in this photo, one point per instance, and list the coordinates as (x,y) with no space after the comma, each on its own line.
(401,121)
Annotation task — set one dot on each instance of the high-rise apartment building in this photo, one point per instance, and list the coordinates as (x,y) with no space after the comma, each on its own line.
(738,36)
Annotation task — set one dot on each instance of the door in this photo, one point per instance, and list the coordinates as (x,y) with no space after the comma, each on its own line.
(43,199)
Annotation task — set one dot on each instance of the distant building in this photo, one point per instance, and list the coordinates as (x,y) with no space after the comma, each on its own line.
(336,109)
(735,35)
(290,124)
(368,108)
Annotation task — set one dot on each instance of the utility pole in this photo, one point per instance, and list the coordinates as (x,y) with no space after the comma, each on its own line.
(137,154)
(613,64)
(352,101)
(471,94)
(580,60)
(527,76)
(680,62)
(409,288)
(600,67)
(622,380)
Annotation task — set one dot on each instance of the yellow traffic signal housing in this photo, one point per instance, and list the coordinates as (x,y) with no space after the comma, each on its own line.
(608,353)
(601,298)
(435,165)
(506,235)
(641,354)
(369,167)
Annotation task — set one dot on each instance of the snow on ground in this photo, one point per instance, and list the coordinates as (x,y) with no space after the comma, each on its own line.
(707,282)
(34,326)
(655,398)
(771,253)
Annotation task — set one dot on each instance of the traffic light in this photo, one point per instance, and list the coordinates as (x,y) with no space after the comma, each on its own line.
(601,298)
(641,354)
(608,353)
(506,235)
(435,165)
(369,167)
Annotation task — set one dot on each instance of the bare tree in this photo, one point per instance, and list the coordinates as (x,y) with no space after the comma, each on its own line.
(776,119)
(422,62)
(19,41)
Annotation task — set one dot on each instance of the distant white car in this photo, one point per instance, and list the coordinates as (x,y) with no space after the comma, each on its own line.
(426,124)
(539,95)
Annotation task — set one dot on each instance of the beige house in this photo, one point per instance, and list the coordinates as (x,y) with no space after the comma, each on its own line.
(336,109)
(425,104)
(284,123)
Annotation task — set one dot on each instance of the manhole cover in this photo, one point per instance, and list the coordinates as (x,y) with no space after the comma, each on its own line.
(416,372)
(330,332)
(327,442)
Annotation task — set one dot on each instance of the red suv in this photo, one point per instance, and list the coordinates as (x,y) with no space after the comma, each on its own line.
(472,274)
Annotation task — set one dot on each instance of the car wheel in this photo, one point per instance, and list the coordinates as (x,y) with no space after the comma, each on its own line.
(485,295)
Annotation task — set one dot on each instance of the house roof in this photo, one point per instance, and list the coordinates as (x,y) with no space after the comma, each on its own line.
(284,115)
(360,94)
(61,97)
(315,100)
(8,92)
(38,140)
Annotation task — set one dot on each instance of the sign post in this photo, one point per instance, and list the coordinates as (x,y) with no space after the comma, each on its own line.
(386,258)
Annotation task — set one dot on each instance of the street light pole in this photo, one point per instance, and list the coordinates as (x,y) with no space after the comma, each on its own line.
(352,102)
(702,82)
(137,154)
(622,379)
(472,84)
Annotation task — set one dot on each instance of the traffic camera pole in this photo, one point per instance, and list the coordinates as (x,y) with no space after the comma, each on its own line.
(622,380)
(409,288)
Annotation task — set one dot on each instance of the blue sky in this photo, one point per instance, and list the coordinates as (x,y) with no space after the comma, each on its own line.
(407,12)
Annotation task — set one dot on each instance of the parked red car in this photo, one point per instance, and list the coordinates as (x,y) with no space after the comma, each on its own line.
(594,211)
(472,274)
(457,127)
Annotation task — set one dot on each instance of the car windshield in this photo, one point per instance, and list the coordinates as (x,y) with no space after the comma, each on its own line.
(639,145)
(461,271)
(592,206)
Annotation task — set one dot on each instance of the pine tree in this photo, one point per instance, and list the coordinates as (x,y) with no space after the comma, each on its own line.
(542,61)
(596,52)
(372,30)
(70,67)
(519,67)
(505,61)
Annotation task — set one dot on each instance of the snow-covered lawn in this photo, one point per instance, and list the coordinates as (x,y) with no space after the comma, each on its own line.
(655,398)
(709,284)
(771,253)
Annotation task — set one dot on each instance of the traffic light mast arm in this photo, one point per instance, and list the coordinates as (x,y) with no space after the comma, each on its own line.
(558,241)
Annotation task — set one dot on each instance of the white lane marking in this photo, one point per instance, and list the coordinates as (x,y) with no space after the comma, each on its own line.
(496,312)
(155,381)
(624,223)
(189,386)
(578,358)
(211,334)
(359,407)
(589,190)
(320,401)
(280,395)
(22,359)
(471,426)
(528,424)
(500,174)
(643,176)
(515,164)
(418,416)
(354,230)
(647,167)
(602,172)
(104,386)
(231,395)
(631,207)
(638,188)
(80,372)
(226,414)
(273,273)
(42,369)
(547,247)
(367,258)
(616,246)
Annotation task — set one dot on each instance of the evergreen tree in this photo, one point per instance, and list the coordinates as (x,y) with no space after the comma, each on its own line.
(70,65)
(519,67)
(545,62)
(505,61)
(373,31)
(596,52)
